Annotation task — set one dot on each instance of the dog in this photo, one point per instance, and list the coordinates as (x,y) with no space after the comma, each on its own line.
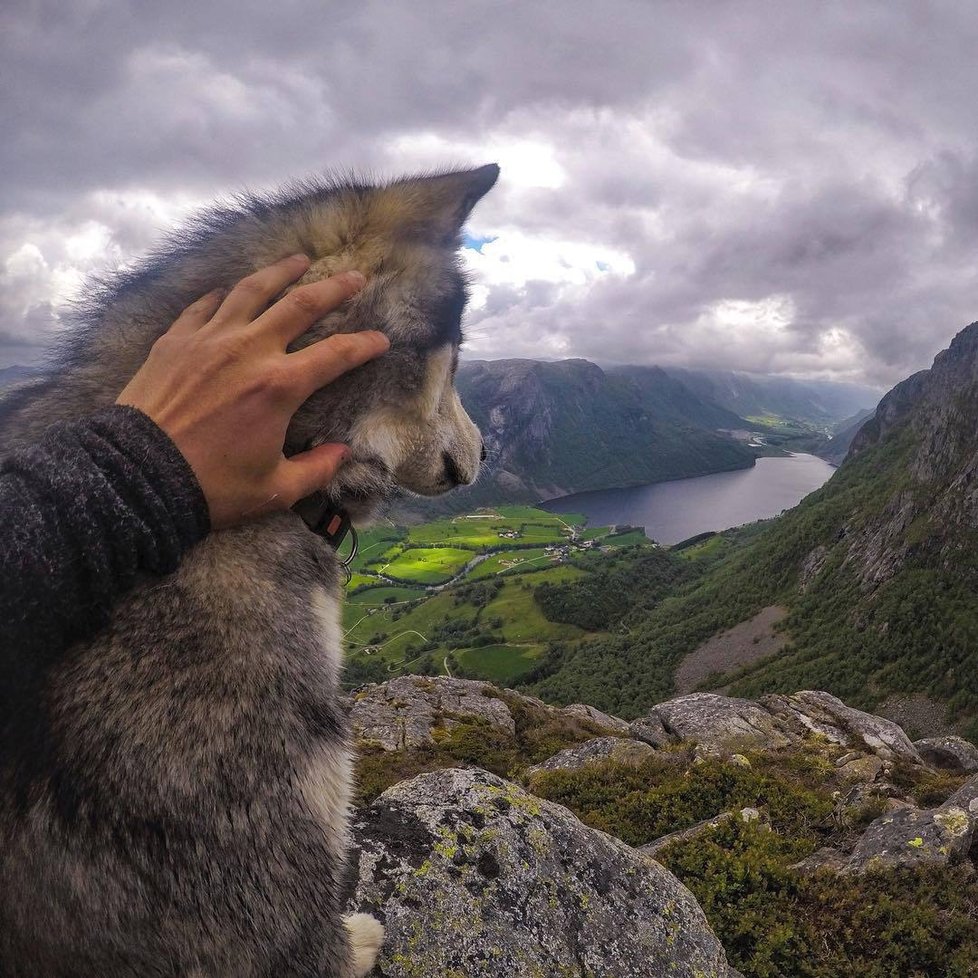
(181,796)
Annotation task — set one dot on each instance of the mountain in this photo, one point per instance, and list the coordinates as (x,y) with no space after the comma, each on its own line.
(837,447)
(819,403)
(875,575)
(556,428)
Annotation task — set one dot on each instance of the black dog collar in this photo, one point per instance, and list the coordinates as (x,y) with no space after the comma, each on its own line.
(330,523)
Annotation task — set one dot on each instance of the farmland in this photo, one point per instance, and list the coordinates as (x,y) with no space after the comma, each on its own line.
(456,596)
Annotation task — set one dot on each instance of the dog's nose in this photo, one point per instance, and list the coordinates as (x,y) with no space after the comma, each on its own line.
(483,455)
(452,473)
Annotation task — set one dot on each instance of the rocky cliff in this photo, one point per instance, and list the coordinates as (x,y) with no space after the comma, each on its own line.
(488,858)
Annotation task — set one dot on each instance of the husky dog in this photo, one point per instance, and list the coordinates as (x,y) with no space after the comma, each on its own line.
(175,803)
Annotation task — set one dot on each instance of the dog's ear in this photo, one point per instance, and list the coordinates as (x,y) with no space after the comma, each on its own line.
(444,202)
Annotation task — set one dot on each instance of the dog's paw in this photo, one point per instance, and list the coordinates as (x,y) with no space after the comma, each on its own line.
(366,937)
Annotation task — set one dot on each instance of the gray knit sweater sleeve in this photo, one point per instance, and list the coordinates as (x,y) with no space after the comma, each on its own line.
(81,513)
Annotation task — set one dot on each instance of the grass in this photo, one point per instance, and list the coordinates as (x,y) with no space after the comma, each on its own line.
(374,541)
(502,664)
(522,619)
(510,561)
(431,565)
(772,921)
(377,596)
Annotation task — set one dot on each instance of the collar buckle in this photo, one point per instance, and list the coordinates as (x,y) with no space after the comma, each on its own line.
(334,526)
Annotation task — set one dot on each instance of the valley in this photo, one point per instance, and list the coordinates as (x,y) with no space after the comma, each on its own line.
(456,596)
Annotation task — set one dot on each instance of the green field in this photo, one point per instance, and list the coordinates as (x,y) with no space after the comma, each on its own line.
(400,616)
(431,565)
(511,562)
(499,663)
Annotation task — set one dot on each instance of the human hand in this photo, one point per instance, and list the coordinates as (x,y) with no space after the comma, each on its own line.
(220,383)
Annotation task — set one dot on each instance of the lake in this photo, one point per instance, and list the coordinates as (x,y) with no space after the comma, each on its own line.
(673,511)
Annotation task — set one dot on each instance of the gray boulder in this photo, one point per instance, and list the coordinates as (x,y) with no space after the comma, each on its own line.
(949,753)
(721,722)
(588,714)
(821,713)
(473,876)
(915,837)
(617,749)
(699,829)
(406,711)
(650,730)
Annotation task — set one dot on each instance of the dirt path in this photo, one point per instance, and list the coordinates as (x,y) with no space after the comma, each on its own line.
(739,646)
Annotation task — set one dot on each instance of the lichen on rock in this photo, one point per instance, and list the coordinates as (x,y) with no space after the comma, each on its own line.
(473,876)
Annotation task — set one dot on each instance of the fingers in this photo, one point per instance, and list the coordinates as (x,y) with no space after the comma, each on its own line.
(252,294)
(302,475)
(197,313)
(322,362)
(292,315)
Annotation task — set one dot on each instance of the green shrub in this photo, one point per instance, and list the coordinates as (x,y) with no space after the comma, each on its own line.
(775,923)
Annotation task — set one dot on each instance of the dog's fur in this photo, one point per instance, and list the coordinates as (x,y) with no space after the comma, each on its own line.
(174,798)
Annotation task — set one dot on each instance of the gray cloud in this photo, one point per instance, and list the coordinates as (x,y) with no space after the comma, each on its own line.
(780,187)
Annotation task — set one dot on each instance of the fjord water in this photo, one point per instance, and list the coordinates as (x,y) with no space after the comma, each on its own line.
(673,511)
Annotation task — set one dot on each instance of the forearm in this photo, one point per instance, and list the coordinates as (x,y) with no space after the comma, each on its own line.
(84,511)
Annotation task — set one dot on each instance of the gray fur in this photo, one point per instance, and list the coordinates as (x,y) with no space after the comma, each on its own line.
(180,805)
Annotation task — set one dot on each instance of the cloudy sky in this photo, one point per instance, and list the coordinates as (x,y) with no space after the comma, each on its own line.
(771,186)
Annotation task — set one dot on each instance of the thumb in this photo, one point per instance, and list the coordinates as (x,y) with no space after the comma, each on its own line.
(303,474)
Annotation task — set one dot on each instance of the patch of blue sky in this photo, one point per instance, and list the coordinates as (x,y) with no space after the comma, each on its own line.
(477,242)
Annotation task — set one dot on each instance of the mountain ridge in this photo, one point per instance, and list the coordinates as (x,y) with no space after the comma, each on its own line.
(553,428)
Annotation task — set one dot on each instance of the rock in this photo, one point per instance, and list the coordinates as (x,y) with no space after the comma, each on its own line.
(880,795)
(823,858)
(866,768)
(617,749)
(614,725)
(651,730)
(915,837)
(406,711)
(700,828)
(949,753)
(720,722)
(821,713)
(473,876)
(812,566)
(684,835)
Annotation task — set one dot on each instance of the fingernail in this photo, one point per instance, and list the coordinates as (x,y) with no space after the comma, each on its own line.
(344,457)
(299,257)
(356,279)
